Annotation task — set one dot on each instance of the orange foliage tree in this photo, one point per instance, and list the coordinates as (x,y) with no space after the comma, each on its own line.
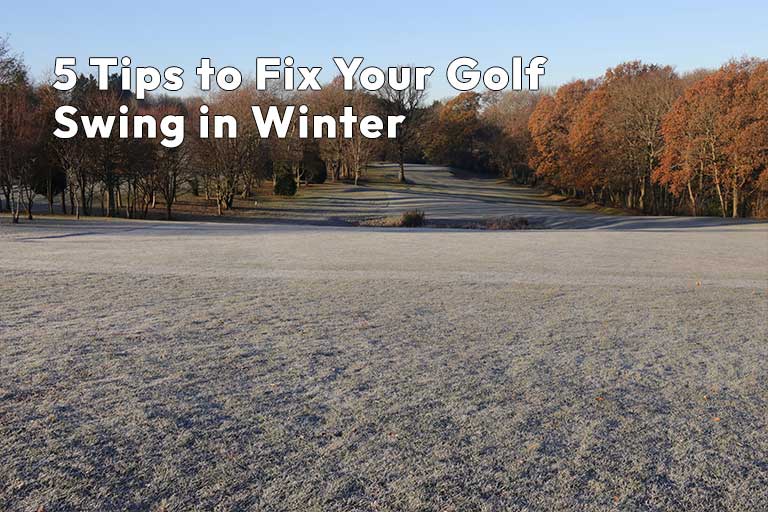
(550,126)
(455,131)
(716,136)
(616,137)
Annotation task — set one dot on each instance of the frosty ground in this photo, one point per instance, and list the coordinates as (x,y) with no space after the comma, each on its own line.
(214,366)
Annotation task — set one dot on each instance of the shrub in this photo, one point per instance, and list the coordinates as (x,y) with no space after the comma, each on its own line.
(409,219)
(413,219)
(316,175)
(285,185)
(506,223)
(314,168)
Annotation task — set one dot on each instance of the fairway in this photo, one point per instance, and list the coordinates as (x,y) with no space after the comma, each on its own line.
(449,197)
(213,366)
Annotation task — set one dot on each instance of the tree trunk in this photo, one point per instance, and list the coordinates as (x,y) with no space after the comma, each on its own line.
(82,203)
(7,195)
(720,196)
(128,199)
(111,203)
(692,198)
(16,207)
(49,192)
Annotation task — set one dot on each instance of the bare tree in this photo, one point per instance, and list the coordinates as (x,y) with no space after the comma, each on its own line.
(20,134)
(406,102)
(330,100)
(357,150)
(170,164)
(223,160)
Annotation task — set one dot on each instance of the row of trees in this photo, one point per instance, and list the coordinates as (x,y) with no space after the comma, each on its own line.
(132,174)
(640,137)
(129,176)
(486,133)
(643,137)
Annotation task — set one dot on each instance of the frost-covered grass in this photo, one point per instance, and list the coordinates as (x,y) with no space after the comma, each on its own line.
(234,367)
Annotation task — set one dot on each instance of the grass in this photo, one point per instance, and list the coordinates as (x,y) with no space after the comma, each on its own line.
(233,367)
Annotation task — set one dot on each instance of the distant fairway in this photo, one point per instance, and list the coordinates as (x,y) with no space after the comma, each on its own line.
(447,196)
(214,366)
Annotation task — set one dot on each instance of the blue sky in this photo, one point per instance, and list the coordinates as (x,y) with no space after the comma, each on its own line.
(580,39)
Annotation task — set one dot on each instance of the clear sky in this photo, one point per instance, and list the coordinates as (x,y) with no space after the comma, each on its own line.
(580,39)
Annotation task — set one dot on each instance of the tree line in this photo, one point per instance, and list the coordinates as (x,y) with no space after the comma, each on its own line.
(641,137)
(127,176)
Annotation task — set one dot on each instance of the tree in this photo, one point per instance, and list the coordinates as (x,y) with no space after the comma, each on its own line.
(550,125)
(616,139)
(356,151)
(20,134)
(406,102)
(13,78)
(746,125)
(455,131)
(330,100)
(12,69)
(73,155)
(170,164)
(50,178)
(506,137)
(109,153)
(224,161)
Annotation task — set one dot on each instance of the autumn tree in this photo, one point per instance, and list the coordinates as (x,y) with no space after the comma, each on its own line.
(455,131)
(616,139)
(746,126)
(107,153)
(550,125)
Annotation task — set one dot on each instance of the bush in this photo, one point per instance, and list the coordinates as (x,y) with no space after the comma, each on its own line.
(285,185)
(409,219)
(413,219)
(316,175)
(314,169)
(506,223)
